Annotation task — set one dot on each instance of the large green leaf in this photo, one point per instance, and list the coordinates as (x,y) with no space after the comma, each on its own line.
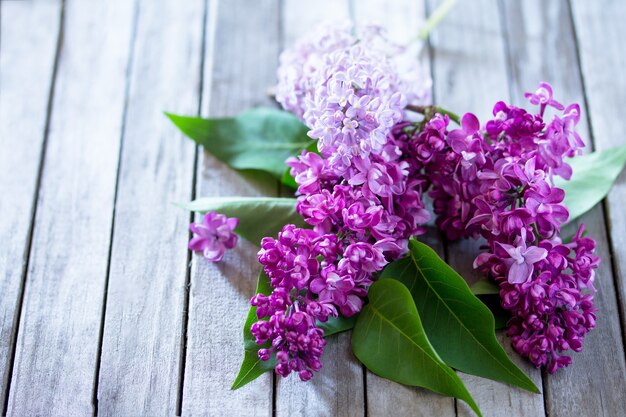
(259,139)
(252,367)
(460,327)
(258,216)
(592,179)
(389,339)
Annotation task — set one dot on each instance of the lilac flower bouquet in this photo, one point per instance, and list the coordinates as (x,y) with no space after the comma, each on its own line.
(370,160)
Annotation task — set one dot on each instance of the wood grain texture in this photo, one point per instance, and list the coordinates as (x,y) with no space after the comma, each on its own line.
(402,20)
(541,46)
(141,342)
(602,359)
(240,65)
(57,342)
(601,33)
(337,390)
(470,74)
(25,84)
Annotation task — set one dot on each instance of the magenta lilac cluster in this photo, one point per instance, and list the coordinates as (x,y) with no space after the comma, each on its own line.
(360,221)
(496,182)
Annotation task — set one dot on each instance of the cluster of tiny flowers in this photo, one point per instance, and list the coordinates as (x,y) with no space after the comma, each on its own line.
(361,195)
(360,222)
(497,183)
(350,91)
(213,236)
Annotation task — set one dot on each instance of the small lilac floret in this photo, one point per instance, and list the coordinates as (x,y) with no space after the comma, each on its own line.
(213,236)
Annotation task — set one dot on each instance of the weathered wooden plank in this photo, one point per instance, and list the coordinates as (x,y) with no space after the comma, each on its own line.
(402,21)
(240,65)
(601,47)
(338,388)
(470,75)
(541,46)
(141,343)
(599,39)
(57,342)
(25,84)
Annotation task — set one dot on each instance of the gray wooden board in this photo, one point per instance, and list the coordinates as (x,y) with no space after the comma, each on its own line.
(600,35)
(469,68)
(141,343)
(149,340)
(240,64)
(338,388)
(25,81)
(57,343)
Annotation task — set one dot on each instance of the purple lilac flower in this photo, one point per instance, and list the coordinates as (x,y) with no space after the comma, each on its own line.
(213,236)
(362,196)
(362,216)
(497,184)
(522,259)
(350,90)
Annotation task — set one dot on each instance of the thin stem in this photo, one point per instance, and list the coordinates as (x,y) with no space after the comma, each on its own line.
(429,111)
(435,18)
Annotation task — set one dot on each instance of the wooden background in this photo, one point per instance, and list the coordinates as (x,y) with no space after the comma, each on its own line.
(102,309)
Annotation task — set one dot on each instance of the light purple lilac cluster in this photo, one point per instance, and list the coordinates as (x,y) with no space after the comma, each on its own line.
(497,183)
(350,90)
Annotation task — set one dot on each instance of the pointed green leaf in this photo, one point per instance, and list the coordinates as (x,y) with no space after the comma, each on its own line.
(259,139)
(389,339)
(252,367)
(460,327)
(592,179)
(258,216)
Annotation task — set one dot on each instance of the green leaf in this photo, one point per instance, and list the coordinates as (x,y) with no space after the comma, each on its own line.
(389,339)
(460,327)
(592,179)
(259,139)
(484,286)
(336,325)
(258,216)
(252,367)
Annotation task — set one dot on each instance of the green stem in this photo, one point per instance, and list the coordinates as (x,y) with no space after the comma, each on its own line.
(435,18)
(429,111)
(537,237)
